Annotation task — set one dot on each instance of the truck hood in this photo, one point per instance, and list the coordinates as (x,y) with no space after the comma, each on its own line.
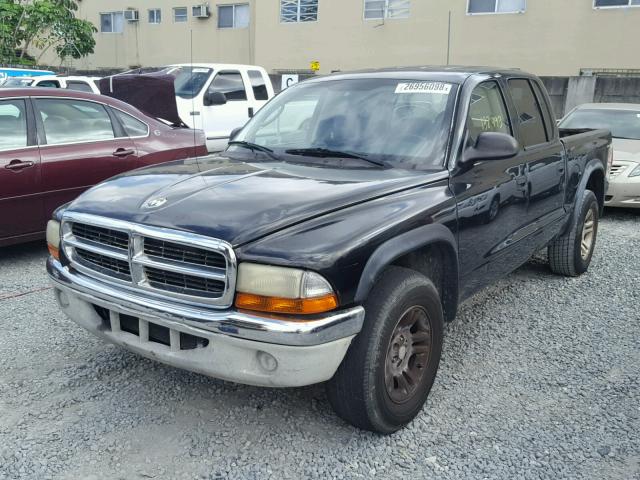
(237,201)
(626,150)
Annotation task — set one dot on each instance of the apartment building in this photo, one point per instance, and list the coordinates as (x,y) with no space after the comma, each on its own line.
(548,37)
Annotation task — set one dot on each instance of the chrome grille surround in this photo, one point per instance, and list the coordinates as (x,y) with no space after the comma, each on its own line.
(218,283)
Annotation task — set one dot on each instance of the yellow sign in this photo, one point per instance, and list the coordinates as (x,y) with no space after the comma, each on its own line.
(315,65)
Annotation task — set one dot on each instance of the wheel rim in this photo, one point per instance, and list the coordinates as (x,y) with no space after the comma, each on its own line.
(588,234)
(408,354)
(493,212)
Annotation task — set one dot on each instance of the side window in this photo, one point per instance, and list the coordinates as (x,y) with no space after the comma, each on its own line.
(13,124)
(49,84)
(547,114)
(231,84)
(67,121)
(259,85)
(133,126)
(487,111)
(79,86)
(531,124)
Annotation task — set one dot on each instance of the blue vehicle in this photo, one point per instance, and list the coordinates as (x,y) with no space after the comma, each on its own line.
(21,72)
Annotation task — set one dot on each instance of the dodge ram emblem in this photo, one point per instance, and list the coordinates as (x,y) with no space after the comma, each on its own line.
(156,202)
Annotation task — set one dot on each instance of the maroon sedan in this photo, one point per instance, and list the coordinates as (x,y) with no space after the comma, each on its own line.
(54,144)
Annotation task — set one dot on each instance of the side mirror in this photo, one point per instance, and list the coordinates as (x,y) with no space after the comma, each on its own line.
(214,98)
(234,133)
(491,146)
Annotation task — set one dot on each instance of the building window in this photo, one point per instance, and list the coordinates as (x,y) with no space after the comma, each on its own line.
(293,11)
(180,14)
(155,15)
(615,3)
(112,22)
(496,6)
(380,9)
(233,16)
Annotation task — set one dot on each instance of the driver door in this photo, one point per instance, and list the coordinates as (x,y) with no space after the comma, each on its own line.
(220,120)
(490,197)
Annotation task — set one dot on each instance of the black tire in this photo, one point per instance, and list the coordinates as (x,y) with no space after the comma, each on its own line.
(494,209)
(565,252)
(358,392)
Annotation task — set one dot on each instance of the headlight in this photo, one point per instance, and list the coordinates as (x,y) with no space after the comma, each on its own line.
(274,289)
(635,172)
(53,238)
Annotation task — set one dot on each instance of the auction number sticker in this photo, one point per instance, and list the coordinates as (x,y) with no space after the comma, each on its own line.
(424,87)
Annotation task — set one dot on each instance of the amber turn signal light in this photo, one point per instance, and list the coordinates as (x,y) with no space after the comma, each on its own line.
(54,252)
(302,306)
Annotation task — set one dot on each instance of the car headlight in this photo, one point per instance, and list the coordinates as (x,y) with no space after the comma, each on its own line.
(267,288)
(53,238)
(635,172)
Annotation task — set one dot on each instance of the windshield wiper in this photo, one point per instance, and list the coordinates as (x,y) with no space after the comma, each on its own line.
(254,147)
(327,153)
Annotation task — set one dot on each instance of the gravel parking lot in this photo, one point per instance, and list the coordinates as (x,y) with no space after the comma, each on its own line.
(539,379)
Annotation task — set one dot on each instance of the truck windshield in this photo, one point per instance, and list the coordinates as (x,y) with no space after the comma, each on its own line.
(403,123)
(189,80)
(622,123)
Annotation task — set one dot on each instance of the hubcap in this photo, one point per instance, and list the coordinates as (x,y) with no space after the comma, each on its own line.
(408,354)
(588,230)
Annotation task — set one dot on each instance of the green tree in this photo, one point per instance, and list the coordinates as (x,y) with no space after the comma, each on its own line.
(42,25)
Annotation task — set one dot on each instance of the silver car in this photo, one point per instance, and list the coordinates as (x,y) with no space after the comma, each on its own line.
(623,119)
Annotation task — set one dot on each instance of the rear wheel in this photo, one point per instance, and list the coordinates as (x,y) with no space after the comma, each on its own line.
(571,253)
(391,365)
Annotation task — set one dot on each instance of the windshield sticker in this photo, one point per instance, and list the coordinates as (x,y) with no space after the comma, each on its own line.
(424,87)
(200,70)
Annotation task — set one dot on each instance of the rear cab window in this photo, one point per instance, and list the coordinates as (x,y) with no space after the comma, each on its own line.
(259,85)
(79,86)
(531,125)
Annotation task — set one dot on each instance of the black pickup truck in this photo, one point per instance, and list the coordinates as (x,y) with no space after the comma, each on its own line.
(340,229)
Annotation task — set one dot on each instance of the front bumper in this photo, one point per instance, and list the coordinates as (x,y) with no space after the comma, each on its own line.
(231,345)
(623,190)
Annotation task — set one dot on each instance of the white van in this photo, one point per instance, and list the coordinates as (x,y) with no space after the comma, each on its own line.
(217,97)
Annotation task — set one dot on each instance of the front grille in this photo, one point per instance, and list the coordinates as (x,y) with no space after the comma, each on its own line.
(105,236)
(191,268)
(183,253)
(184,283)
(104,262)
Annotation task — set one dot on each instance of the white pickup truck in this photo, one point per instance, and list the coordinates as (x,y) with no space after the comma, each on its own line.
(218,98)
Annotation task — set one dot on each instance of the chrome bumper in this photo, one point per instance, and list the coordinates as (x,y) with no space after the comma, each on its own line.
(307,331)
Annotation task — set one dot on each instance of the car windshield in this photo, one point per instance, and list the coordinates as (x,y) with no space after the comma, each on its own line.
(17,82)
(403,123)
(622,123)
(189,80)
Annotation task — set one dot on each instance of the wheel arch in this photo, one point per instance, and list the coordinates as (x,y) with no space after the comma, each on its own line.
(430,250)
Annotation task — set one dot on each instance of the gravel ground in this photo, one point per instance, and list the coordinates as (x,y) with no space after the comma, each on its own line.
(539,379)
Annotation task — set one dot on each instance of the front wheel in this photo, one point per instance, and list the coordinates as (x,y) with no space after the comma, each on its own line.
(387,374)
(571,253)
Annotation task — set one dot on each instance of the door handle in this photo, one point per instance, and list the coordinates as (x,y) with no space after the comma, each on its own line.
(17,165)
(251,112)
(521,181)
(123,152)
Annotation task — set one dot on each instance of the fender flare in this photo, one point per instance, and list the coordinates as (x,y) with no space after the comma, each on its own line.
(405,243)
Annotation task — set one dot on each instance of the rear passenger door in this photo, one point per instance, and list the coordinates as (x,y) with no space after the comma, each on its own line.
(21,209)
(81,144)
(219,120)
(543,156)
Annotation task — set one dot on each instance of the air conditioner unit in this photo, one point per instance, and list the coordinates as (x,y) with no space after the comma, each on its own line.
(131,15)
(200,11)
